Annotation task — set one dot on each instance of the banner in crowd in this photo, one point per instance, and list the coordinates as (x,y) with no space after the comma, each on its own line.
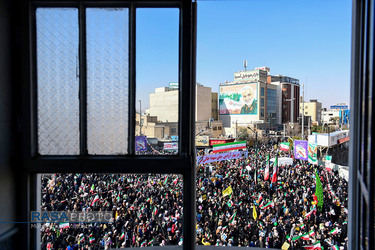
(221,157)
(170,146)
(284,146)
(228,146)
(300,150)
(140,143)
(313,151)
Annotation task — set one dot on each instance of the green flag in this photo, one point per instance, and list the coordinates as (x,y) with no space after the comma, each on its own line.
(318,191)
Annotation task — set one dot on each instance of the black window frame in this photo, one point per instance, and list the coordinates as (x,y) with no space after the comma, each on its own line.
(183,163)
(361,172)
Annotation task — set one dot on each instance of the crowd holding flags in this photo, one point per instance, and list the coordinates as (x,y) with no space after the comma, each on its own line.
(235,206)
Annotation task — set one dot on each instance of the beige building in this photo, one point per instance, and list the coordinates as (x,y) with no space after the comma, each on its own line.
(164,104)
(312,109)
(150,127)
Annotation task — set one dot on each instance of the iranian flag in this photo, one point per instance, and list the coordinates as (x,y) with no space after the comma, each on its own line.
(311,212)
(144,243)
(267,173)
(312,233)
(122,236)
(335,247)
(274,174)
(305,236)
(96,199)
(314,246)
(334,231)
(175,181)
(269,204)
(64,225)
(229,203)
(165,180)
(259,198)
(232,218)
(228,146)
(92,239)
(284,146)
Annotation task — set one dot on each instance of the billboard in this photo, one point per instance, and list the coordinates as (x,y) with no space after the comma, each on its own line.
(140,143)
(174,137)
(238,99)
(173,85)
(300,150)
(202,141)
(170,146)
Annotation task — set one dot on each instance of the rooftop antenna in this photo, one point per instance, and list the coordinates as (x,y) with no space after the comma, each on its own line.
(245,64)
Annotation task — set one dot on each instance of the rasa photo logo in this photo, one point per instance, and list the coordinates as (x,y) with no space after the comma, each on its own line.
(64,218)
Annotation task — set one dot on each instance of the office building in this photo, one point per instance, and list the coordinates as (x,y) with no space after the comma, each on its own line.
(288,92)
(312,109)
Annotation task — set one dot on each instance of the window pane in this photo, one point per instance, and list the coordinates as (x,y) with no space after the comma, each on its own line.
(58,81)
(157,81)
(147,209)
(107,81)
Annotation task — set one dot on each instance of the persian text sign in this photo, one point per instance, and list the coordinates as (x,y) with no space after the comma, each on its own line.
(221,157)
(300,150)
(171,146)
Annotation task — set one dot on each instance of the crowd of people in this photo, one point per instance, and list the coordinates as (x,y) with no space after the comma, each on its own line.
(236,206)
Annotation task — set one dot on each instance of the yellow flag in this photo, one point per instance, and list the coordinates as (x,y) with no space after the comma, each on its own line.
(116,215)
(227,191)
(204,197)
(285,246)
(255,215)
(206,243)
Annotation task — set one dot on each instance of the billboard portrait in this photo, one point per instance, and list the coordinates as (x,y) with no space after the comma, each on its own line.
(238,99)
(300,150)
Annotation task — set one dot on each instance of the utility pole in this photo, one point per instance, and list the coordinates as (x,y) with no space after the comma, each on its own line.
(303,110)
(140,118)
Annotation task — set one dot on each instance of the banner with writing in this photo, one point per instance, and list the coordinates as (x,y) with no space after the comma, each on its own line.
(221,157)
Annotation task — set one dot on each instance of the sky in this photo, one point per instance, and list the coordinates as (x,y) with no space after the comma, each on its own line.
(307,40)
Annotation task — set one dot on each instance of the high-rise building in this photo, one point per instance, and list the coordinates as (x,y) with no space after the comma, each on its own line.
(288,92)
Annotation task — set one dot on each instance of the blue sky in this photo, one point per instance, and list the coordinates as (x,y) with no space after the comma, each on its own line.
(308,40)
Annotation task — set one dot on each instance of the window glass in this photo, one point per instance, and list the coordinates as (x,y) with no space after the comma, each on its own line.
(107,80)
(57,81)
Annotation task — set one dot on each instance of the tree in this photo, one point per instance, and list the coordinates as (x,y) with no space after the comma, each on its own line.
(242,134)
